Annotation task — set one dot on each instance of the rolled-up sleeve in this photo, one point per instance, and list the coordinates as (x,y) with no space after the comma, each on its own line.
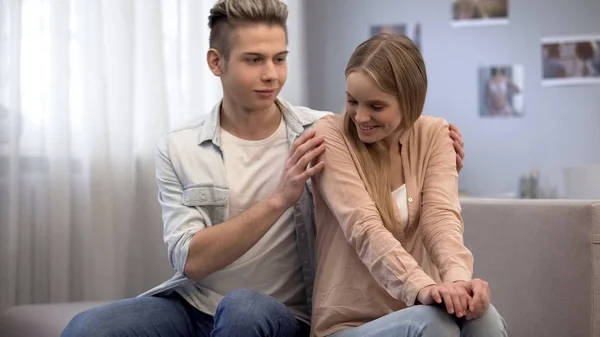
(346,195)
(180,222)
(441,221)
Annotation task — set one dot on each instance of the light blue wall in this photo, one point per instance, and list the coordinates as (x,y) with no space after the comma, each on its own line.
(561,126)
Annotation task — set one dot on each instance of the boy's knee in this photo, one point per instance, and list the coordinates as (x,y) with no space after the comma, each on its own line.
(84,324)
(250,310)
(107,320)
(252,304)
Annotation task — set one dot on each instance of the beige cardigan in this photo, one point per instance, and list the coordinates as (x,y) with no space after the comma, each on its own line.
(363,270)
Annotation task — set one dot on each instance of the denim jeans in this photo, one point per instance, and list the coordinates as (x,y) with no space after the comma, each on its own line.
(240,313)
(429,321)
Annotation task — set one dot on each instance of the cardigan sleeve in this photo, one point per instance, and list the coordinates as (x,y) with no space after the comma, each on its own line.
(441,221)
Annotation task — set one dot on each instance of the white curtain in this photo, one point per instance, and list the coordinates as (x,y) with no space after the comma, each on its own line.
(86,89)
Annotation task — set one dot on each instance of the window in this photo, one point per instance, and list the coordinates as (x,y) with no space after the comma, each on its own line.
(35,68)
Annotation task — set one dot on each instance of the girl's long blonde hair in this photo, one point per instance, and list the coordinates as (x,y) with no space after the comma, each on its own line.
(396,66)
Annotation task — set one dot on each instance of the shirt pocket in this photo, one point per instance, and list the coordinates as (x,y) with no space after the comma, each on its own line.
(210,201)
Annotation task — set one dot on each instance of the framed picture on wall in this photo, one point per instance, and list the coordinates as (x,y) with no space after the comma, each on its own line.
(501,92)
(570,60)
(479,12)
(412,31)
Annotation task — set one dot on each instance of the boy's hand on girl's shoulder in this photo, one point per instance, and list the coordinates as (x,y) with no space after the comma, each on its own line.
(296,170)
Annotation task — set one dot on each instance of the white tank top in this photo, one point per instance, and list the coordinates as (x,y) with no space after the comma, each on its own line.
(399,197)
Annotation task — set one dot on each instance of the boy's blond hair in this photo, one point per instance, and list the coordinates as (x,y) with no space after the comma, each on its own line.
(226,15)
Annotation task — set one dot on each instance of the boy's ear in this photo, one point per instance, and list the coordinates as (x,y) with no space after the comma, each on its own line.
(216,61)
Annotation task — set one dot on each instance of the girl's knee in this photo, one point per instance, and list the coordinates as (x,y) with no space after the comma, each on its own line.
(490,324)
(435,321)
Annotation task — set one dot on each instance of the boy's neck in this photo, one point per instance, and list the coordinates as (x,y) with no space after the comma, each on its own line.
(249,124)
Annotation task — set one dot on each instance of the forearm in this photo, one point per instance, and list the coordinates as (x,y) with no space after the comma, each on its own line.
(390,264)
(448,253)
(215,247)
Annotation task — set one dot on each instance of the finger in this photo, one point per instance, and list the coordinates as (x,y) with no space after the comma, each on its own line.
(481,288)
(477,298)
(459,163)
(486,295)
(448,301)
(457,138)
(468,288)
(304,148)
(459,149)
(435,294)
(453,135)
(469,312)
(308,158)
(464,305)
(456,303)
(301,140)
(308,146)
(455,129)
(311,172)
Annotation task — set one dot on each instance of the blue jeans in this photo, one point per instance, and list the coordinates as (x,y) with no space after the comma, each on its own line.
(426,321)
(240,313)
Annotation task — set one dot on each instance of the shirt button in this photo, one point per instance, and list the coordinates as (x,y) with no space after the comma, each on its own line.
(410,199)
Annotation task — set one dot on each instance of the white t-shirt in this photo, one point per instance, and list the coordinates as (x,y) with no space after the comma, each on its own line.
(399,197)
(272,266)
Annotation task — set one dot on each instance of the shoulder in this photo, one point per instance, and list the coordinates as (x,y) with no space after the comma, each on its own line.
(329,124)
(186,136)
(189,129)
(310,116)
(429,129)
(306,116)
(189,126)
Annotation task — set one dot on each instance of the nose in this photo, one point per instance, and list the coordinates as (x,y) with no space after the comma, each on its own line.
(269,72)
(362,115)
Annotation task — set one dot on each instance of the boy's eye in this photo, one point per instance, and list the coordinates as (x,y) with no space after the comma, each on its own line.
(377,107)
(352,102)
(254,60)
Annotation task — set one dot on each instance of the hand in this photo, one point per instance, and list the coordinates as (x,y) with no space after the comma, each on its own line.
(459,146)
(296,171)
(481,294)
(453,295)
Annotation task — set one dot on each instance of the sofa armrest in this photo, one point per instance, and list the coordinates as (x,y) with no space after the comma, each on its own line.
(541,258)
